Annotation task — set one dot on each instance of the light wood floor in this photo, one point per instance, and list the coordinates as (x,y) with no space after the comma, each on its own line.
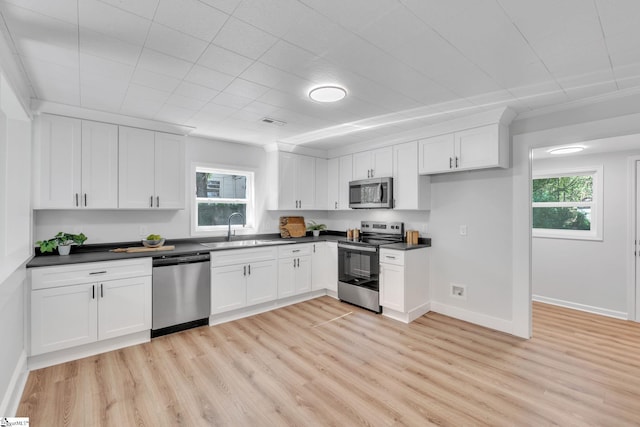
(324,363)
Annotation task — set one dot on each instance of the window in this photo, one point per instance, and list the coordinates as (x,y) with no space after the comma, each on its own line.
(219,193)
(568,204)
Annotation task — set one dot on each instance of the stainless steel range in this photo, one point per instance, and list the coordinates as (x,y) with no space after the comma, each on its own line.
(359,263)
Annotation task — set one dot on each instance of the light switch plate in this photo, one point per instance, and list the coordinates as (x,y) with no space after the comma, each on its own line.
(463,230)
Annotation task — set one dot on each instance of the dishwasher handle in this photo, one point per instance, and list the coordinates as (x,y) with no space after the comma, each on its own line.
(180,259)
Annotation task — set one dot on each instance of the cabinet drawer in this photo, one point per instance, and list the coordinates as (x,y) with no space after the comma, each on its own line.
(294,250)
(73,274)
(242,256)
(388,256)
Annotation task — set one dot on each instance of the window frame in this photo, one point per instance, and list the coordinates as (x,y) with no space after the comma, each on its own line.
(596,204)
(220,230)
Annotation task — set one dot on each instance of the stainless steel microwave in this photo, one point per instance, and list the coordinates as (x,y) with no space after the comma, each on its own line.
(374,193)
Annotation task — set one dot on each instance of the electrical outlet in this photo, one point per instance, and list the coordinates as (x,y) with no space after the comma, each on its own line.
(463,230)
(458,291)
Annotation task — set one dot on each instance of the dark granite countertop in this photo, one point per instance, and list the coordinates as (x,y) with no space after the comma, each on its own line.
(100,252)
(405,246)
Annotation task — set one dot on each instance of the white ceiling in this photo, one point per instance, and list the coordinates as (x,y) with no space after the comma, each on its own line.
(220,66)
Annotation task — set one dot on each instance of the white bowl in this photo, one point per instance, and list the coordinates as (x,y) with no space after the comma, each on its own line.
(152,243)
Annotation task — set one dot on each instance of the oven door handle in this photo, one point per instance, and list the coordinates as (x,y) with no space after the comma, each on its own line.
(358,248)
(380,192)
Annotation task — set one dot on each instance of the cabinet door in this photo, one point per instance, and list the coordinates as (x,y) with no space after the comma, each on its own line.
(410,190)
(136,168)
(320,185)
(286,277)
(477,148)
(332,266)
(319,265)
(60,148)
(124,306)
(228,288)
(99,165)
(392,286)
(345,176)
(436,154)
(306,182)
(382,162)
(303,275)
(362,165)
(333,183)
(63,317)
(287,166)
(169,171)
(262,282)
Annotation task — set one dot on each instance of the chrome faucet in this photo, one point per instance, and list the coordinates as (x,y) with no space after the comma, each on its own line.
(244,222)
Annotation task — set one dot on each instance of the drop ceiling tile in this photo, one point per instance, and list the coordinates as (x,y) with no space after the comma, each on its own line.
(98,44)
(287,57)
(104,68)
(186,102)
(195,91)
(246,88)
(102,94)
(157,62)
(582,60)
(591,90)
(136,92)
(143,8)
(153,80)
(619,17)
(209,78)
(398,27)
(315,33)
(113,22)
(233,101)
(27,25)
(227,6)
(224,60)
(244,39)
(191,17)
(63,10)
(268,76)
(353,14)
(174,114)
(140,107)
(217,111)
(174,43)
(275,17)
(54,82)
(47,52)
(262,109)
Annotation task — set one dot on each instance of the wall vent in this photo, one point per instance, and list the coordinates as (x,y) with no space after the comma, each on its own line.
(271,121)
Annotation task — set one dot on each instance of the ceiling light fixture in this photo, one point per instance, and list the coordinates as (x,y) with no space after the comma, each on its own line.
(566,150)
(327,93)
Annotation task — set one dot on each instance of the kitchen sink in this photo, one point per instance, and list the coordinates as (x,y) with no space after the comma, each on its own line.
(245,243)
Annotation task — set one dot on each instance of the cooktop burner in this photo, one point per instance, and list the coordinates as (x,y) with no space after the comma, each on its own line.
(374,233)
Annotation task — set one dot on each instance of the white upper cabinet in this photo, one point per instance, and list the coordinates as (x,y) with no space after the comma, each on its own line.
(373,164)
(476,148)
(77,164)
(339,174)
(301,182)
(333,183)
(410,190)
(151,170)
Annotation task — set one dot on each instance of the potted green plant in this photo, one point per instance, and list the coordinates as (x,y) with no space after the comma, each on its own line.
(315,228)
(62,241)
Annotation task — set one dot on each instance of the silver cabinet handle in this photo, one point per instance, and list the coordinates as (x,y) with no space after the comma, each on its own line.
(93,291)
(244,270)
(97,272)
(157,201)
(294,263)
(151,201)
(249,268)
(456,161)
(314,248)
(450,162)
(298,262)
(295,251)
(77,200)
(336,205)
(101,290)
(85,199)
(372,175)
(389,257)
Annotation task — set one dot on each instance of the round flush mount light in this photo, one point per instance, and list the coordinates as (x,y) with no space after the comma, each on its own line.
(566,150)
(327,93)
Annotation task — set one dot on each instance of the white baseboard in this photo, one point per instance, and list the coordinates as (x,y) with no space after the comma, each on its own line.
(75,353)
(12,397)
(407,317)
(490,322)
(581,307)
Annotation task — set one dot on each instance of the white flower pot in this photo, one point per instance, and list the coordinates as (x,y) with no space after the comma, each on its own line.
(316,233)
(64,249)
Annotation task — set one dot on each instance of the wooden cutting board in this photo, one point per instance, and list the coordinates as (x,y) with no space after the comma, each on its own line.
(292,226)
(143,249)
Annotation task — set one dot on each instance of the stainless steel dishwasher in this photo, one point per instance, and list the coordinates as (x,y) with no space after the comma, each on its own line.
(181,293)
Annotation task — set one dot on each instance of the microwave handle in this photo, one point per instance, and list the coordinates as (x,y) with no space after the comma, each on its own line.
(380,192)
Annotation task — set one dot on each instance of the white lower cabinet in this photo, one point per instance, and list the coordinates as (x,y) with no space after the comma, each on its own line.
(65,313)
(404,283)
(324,266)
(294,269)
(242,277)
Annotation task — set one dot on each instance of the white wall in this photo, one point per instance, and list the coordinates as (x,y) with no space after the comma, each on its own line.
(481,260)
(585,273)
